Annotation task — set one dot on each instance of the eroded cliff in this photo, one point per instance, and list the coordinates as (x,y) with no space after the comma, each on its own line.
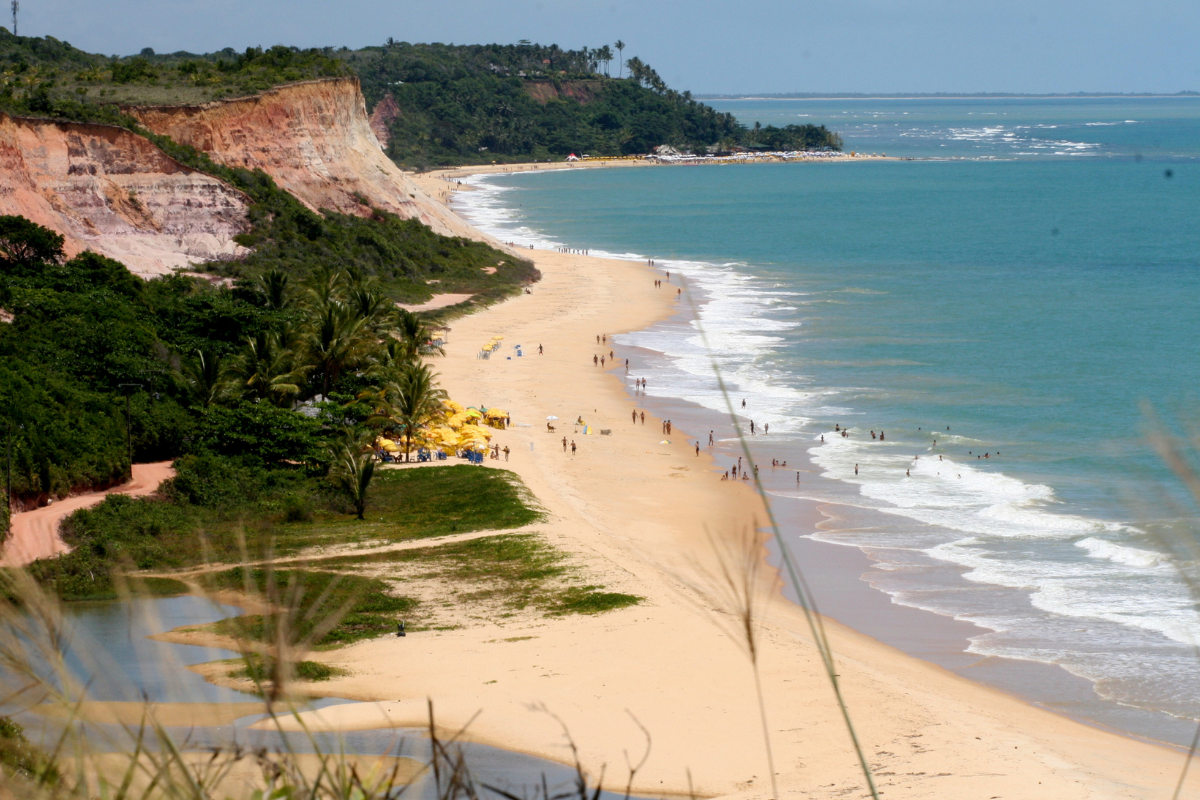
(112,191)
(314,139)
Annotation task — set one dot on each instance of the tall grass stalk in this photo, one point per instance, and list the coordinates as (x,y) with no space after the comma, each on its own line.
(795,576)
(737,589)
(1182,455)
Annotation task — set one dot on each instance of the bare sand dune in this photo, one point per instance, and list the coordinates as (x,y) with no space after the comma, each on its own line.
(35,533)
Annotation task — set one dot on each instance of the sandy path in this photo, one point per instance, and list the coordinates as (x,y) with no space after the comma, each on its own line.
(35,533)
(438,301)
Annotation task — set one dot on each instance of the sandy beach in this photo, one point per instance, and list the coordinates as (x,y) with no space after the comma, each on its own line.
(638,510)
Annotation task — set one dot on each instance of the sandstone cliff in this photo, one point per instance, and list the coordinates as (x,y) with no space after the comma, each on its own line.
(386,111)
(314,139)
(112,191)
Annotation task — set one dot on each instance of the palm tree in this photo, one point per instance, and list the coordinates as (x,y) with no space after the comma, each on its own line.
(416,336)
(408,402)
(265,369)
(367,301)
(620,54)
(352,472)
(203,375)
(324,286)
(273,286)
(604,54)
(338,339)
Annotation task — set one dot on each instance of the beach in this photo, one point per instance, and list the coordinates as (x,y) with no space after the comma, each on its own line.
(639,510)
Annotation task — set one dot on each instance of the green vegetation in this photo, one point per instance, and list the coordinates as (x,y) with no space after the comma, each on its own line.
(463,104)
(43,76)
(516,571)
(309,597)
(20,758)
(259,670)
(455,104)
(210,369)
(232,501)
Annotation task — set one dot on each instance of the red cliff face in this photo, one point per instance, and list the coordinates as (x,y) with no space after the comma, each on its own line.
(386,111)
(314,139)
(109,190)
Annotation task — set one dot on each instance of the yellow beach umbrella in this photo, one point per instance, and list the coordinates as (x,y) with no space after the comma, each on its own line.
(455,408)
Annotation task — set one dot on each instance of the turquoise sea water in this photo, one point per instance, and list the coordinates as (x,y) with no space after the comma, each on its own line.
(1020,288)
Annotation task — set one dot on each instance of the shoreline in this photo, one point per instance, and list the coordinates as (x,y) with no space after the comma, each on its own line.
(928,633)
(633,514)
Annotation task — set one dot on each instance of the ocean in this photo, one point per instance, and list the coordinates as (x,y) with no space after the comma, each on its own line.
(1004,309)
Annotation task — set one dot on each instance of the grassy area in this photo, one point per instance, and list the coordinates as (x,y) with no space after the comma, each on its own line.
(256,668)
(212,505)
(515,571)
(419,503)
(310,597)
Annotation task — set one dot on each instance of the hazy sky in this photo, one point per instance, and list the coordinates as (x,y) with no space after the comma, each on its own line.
(710,46)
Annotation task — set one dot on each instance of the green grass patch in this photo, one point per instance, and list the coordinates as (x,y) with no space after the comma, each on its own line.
(419,503)
(372,610)
(519,571)
(278,510)
(591,600)
(158,587)
(259,669)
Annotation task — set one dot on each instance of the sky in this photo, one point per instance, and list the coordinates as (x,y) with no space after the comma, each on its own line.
(709,46)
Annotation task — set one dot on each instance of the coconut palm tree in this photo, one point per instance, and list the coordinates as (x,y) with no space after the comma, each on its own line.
(338,339)
(416,336)
(324,286)
(620,54)
(605,54)
(368,301)
(352,472)
(273,286)
(265,369)
(413,399)
(203,375)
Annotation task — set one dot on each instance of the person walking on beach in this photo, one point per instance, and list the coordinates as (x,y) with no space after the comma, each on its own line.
(635,416)
(710,438)
(856,469)
(797,478)
(697,449)
(766,428)
(564,444)
(595,361)
(539,349)
(597,339)
(601,361)
(506,452)
(668,427)
(572,447)
(643,417)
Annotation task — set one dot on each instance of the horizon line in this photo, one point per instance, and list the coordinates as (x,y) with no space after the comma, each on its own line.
(939,95)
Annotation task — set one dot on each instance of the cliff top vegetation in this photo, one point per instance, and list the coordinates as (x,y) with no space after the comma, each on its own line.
(445,104)
(49,77)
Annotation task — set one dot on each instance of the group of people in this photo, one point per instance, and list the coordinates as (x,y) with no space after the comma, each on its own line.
(572,252)
(564,444)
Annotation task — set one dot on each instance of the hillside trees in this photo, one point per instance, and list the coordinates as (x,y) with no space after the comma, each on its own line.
(216,370)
